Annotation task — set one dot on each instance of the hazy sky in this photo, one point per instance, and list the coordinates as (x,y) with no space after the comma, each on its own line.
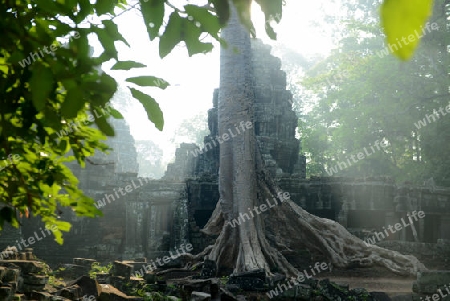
(193,79)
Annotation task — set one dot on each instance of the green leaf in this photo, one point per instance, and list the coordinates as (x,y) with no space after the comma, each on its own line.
(104,7)
(403,22)
(73,103)
(172,35)
(148,81)
(104,126)
(208,21)
(107,43)
(113,31)
(192,40)
(222,10)
(273,10)
(127,65)
(116,114)
(153,13)
(41,84)
(154,112)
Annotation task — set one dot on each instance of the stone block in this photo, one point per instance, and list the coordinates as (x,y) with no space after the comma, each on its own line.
(2,272)
(6,293)
(72,271)
(404,297)
(40,296)
(430,281)
(135,264)
(88,286)
(103,278)
(34,279)
(11,275)
(200,296)
(150,278)
(25,266)
(110,293)
(381,296)
(84,262)
(72,292)
(209,269)
(122,269)
(28,288)
(249,281)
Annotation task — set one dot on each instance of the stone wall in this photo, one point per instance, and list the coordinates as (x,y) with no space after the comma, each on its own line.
(363,206)
(141,217)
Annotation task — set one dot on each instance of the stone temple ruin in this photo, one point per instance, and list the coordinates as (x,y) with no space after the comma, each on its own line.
(156,216)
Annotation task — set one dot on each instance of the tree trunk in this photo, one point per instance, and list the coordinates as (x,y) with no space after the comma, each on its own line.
(259,241)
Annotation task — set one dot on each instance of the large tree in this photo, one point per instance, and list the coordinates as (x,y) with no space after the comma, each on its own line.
(260,242)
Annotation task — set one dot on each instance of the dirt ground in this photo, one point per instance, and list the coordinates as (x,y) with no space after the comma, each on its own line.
(372,279)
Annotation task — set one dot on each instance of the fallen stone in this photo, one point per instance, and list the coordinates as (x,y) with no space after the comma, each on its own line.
(84,262)
(6,293)
(430,281)
(88,286)
(41,296)
(73,292)
(2,272)
(150,278)
(177,274)
(209,269)
(249,281)
(122,269)
(25,266)
(35,279)
(209,286)
(110,293)
(103,278)
(381,296)
(71,271)
(11,275)
(226,295)
(200,296)
(405,297)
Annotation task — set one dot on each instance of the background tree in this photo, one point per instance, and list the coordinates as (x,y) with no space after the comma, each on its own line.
(192,130)
(149,157)
(365,95)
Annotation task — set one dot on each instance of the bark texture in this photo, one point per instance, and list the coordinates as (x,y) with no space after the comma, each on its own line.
(261,241)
